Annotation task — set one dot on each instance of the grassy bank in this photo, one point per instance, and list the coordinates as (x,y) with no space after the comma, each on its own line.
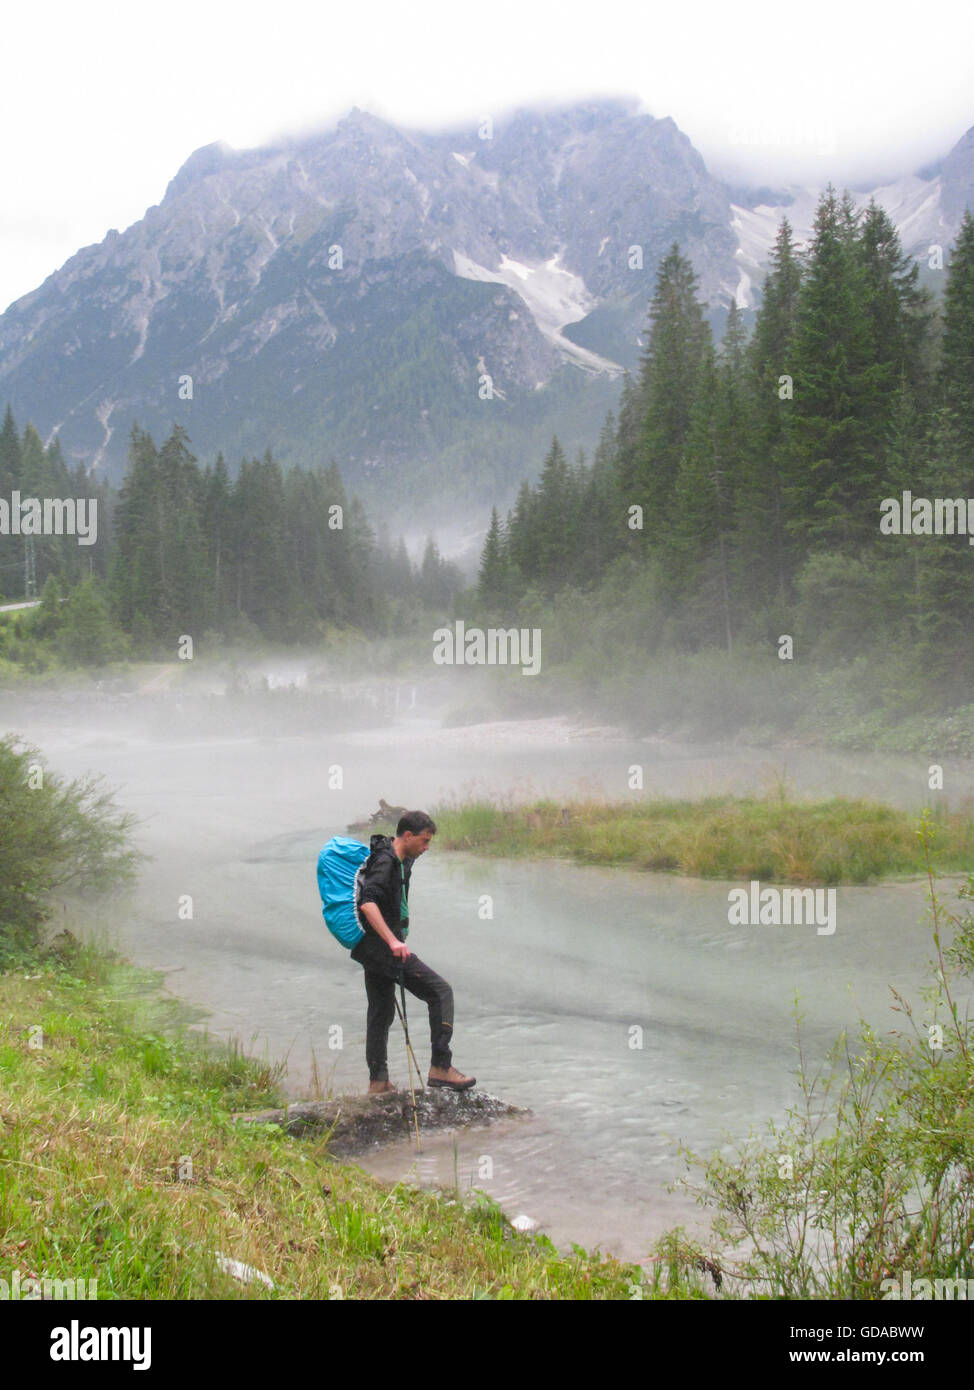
(120,1161)
(769,838)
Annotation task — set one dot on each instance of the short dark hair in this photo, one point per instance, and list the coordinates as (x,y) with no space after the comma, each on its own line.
(415,822)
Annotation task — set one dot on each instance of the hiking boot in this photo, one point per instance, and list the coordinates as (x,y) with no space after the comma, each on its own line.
(452,1079)
(380,1088)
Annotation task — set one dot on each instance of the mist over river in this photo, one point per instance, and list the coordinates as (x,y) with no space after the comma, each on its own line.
(548,991)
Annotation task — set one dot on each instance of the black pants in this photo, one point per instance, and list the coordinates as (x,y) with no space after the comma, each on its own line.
(382,972)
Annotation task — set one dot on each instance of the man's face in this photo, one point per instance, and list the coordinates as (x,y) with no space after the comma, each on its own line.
(415,845)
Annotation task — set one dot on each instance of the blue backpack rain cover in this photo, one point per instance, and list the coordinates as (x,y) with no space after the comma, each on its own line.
(338,883)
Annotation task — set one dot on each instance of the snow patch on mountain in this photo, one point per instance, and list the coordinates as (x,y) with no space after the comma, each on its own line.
(741,292)
(425,197)
(142,324)
(913,204)
(555,296)
(757,228)
(103,414)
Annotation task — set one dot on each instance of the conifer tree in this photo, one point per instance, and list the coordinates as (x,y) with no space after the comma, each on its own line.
(626,445)
(669,373)
(401,578)
(554,498)
(438,580)
(957,348)
(11,547)
(39,479)
(48,617)
(343,554)
(159,572)
(942,465)
(490,580)
(897,309)
(765,548)
(357,576)
(601,530)
(695,553)
(521,533)
(11,468)
(86,636)
(180,548)
(834,457)
(132,581)
(260,553)
(217,531)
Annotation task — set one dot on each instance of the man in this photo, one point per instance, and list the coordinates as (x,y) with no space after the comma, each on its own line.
(385,957)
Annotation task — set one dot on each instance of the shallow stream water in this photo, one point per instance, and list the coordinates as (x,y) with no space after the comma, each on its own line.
(621,1007)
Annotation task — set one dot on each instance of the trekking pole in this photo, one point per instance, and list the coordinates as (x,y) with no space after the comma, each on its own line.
(402,1019)
(409,1046)
(409,1055)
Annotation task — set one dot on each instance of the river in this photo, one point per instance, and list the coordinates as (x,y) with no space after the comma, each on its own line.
(620,1007)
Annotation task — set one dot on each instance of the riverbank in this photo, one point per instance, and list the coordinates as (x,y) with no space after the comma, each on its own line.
(681,700)
(772,838)
(124,1163)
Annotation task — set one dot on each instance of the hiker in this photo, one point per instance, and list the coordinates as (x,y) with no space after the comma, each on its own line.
(383,909)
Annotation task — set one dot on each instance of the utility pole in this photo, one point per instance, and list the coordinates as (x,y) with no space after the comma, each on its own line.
(30,570)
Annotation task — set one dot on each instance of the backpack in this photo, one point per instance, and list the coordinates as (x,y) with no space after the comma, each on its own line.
(340,866)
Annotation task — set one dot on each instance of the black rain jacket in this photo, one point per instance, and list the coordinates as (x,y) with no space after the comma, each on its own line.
(384,877)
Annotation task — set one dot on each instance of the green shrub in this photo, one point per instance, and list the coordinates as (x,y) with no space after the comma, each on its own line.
(872,1176)
(53,834)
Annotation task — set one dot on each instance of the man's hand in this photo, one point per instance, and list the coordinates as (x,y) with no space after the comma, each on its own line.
(374,918)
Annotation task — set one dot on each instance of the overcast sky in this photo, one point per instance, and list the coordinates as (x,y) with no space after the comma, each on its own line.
(102,102)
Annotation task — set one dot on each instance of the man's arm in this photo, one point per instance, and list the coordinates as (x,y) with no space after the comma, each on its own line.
(373,916)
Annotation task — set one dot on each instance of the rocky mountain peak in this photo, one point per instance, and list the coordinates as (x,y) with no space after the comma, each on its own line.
(354,292)
(208,159)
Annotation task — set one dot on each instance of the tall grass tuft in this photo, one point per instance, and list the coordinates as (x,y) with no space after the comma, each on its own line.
(771,838)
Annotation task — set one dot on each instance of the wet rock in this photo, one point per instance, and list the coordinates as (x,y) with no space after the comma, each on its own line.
(363,1122)
(386,815)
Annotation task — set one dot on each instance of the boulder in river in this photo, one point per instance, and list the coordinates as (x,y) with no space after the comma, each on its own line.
(386,815)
